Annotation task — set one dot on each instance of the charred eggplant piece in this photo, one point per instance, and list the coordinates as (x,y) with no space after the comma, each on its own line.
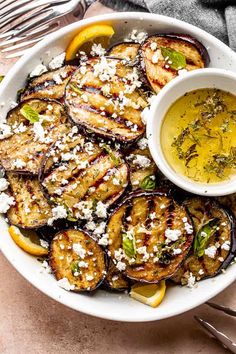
(31,209)
(164,56)
(83,175)
(105,98)
(143,170)
(149,236)
(214,242)
(115,280)
(228,201)
(125,50)
(31,137)
(77,258)
(50,85)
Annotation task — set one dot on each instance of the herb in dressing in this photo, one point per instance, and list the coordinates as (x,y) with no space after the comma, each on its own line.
(198,135)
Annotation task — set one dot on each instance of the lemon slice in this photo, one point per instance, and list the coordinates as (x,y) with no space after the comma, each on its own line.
(26,241)
(149,294)
(85,39)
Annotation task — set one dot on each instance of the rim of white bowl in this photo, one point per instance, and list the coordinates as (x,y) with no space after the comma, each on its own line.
(154,126)
(62,297)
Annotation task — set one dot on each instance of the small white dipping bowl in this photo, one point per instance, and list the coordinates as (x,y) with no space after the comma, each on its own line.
(197,79)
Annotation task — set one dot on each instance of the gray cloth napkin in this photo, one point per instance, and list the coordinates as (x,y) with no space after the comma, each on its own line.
(217,17)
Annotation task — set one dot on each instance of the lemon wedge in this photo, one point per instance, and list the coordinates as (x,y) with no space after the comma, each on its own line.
(26,243)
(149,294)
(86,38)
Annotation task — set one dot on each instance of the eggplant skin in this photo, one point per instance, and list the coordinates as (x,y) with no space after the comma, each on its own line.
(201,211)
(65,262)
(115,280)
(97,104)
(158,71)
(50,85)
(31,209)
(24,145)
(94,173)
(147,216)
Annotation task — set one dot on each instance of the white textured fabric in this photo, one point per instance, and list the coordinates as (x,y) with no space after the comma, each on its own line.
(217,17)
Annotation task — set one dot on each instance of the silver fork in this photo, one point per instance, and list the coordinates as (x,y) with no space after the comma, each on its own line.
(23,26)
(224,340)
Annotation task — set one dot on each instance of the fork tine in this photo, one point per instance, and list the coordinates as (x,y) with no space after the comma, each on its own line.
(26,41)
(225,309)
(16,54)
(219,336)
(7,5)
(16,14)
(11,9)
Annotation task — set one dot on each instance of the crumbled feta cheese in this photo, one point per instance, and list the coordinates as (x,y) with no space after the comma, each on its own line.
(105,69)
(104,240)
(121,266)
(44,244)
(89,277)
(225,246)
(177,251)
(153,46)
(5,202)
(143,250)
(57,62)
(211,251)
(57,79)
(3,184)
(58,212)
(172,235)
(188,228)
(182,71)
(136,36)
(65,284)
(82,264)
(98,50)
(38,70)
(39,132)
(203,234)
(5,131)
(141,161)
(156,56)
(85,210)
(79,250)
(191,281)
(18,163)
(101,210)
(45,268)
(143,143)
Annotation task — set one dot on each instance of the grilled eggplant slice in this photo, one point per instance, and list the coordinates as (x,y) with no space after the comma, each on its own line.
(50,85)
(164,56)
(31,209)
(228,201)
(83,172)
(115,280)
(77,258)
(214,243)
(107,99)
(126,50)
(23,151)
(143,170)
(149,236)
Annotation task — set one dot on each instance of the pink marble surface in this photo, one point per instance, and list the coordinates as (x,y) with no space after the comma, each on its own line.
(32,323)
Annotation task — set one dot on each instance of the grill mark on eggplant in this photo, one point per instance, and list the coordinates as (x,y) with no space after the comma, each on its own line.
(170,215)
(106,114)
(75,176)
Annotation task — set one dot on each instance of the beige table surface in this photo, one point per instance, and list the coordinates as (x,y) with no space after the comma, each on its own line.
(31,323)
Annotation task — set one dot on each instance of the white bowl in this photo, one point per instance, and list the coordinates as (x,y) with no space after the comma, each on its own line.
(197,79)
(103,304)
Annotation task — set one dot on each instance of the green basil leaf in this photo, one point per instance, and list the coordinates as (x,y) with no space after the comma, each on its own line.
(1,78)
(148,183)
(177,59)
(128,246)
(29,113)
(203,236)
(74,267)
(76,89)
